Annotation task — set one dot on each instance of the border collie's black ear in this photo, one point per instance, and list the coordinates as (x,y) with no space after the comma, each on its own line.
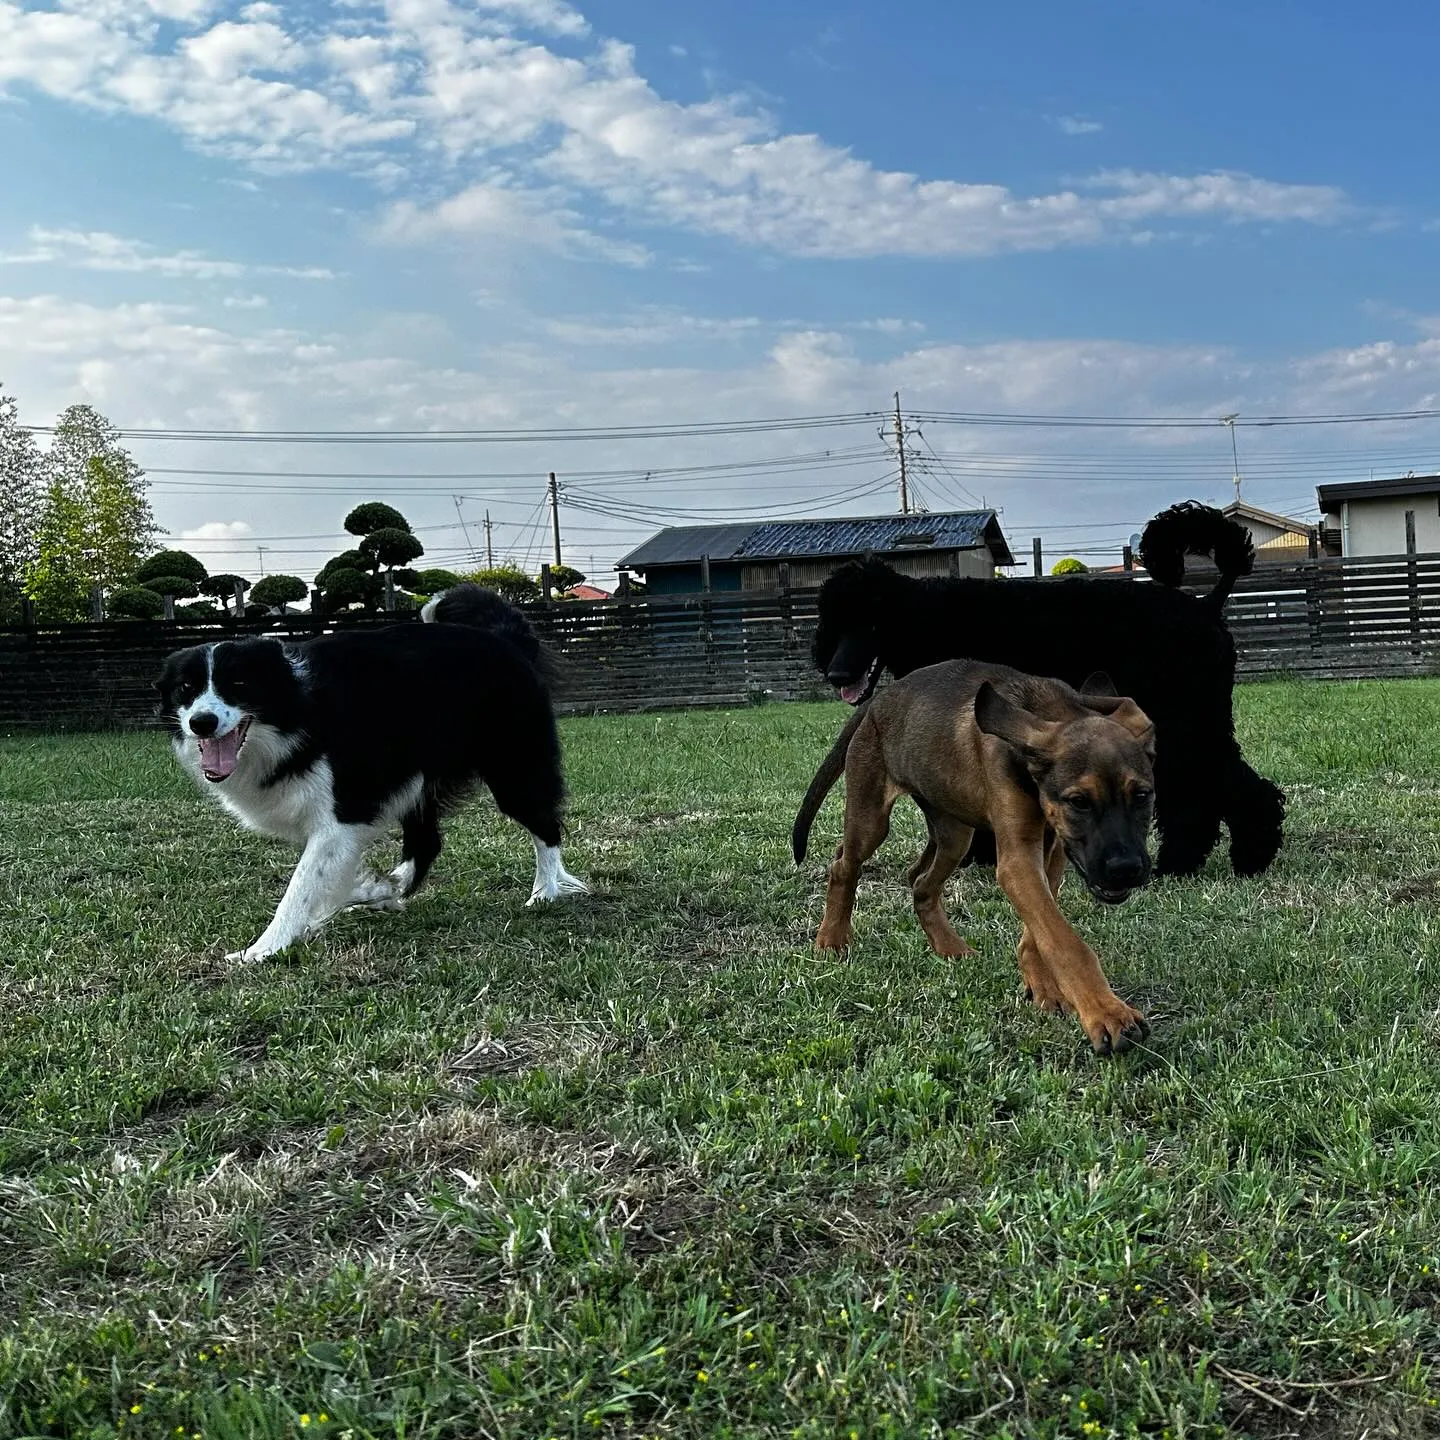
(164,686)
(1098,682)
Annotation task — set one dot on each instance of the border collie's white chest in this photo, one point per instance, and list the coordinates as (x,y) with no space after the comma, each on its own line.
(290,809)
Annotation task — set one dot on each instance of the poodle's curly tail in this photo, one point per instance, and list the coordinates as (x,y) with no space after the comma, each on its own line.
(1194,529)
(831,769)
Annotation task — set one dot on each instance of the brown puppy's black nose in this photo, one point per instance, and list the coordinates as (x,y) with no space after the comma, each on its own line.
(203,723)
(1125,872)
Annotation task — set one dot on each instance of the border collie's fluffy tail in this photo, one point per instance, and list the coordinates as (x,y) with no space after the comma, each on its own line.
(1194,529)
(832,767)
(483,609)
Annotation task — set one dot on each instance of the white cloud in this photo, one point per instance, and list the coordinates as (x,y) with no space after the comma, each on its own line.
(99,250)
(1077,125)
(152,366)
(219,530)
(431,88)
(510,218)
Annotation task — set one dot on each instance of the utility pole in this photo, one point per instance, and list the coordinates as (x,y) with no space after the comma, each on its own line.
(1229,422)
(554,494)
(901,435)
(260,551)
(489,543)
(465,529)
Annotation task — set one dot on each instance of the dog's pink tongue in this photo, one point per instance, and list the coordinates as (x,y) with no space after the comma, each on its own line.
(219,753)
(851,694)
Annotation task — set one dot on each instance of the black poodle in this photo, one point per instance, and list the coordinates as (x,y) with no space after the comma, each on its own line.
(1169,651)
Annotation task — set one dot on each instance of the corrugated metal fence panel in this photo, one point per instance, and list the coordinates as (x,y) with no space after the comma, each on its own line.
(1327,618)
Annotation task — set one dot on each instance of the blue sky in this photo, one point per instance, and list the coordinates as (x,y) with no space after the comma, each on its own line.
(432,215)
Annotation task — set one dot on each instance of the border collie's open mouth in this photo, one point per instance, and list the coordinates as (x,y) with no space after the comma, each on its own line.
(219,754)
(858,690)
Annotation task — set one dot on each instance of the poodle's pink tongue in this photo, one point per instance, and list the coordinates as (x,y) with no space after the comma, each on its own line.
(853,694)
(219,753)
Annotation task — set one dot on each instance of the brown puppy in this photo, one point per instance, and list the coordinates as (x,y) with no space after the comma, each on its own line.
(1054,772)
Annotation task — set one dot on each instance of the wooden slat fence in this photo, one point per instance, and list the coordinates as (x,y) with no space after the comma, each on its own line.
(1320,618)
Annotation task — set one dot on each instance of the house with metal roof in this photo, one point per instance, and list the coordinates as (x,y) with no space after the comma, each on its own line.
(1278,539)
(1381,517)
(802,553)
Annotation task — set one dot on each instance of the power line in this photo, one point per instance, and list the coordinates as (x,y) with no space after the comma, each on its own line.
(553,434)
(678,430)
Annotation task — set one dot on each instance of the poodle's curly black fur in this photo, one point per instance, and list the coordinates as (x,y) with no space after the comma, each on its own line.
(1167,650)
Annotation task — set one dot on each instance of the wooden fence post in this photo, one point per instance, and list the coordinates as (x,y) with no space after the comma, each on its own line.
(1412,575)
(622,588)
(97,604)
(545,586)
(389,590)
(705,573)
(27,612)
(169,603)
(1127,560)
(1038,557)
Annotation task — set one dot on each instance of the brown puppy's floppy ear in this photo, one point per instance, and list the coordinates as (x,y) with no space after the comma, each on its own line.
(1027,735)
(1124,711)
(1098,683)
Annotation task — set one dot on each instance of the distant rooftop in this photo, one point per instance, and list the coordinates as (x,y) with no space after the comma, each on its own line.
(1331,497)
(812,539)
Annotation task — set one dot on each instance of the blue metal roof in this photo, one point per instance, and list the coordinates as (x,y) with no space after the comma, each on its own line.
(812,539)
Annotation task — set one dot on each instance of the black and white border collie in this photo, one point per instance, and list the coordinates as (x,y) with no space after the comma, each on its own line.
(331,742)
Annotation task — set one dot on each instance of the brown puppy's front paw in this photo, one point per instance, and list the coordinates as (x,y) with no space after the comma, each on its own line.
(1040,987)
(1115,1027)
(951,947)
(833,937)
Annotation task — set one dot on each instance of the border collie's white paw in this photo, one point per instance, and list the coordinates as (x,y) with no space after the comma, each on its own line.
(552,879)
(373,893)
(244,957)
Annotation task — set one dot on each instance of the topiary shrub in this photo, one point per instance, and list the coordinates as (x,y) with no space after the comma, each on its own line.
(135,603)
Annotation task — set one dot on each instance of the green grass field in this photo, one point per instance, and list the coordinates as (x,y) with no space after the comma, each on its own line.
(642,1164)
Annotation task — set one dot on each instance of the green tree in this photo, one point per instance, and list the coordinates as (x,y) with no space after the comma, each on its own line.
(375,515)
(565,577)
(346,586)
(116,528)
(135,602)
(432,582)
(58,581)
(390,547)
(222,588)
(1069,566)
(22,502)
(171,562)
(345,560)
(507,581)
(277,591)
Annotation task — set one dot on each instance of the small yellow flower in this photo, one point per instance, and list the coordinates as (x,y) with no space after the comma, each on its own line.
(702,1376)
(135,1409)
(304,1419)
(323,1417)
